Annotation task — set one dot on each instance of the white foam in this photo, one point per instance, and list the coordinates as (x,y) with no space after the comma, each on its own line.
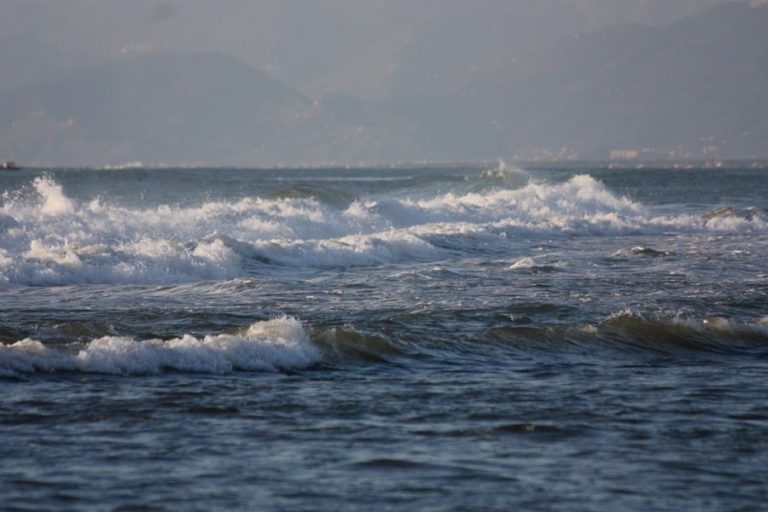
(523,263)
(507,175)
(269,346)
(535,265)
(54,201)
(54,240)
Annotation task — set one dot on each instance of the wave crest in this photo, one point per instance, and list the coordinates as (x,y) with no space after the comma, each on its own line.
(279,344)
(55,240)
(627,331)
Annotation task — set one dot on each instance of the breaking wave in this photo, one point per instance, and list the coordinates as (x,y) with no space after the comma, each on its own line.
(268,346)
(284,344)
(48,238)
(280,344)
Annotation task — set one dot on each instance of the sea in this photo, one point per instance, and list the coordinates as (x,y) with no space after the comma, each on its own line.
(449,337)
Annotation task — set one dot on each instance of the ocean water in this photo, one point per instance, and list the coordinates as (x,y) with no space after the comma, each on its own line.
(458,338)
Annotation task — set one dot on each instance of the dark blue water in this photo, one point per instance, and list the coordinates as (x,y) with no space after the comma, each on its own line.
(455,338)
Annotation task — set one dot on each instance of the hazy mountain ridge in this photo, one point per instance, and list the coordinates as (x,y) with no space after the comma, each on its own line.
(147,108)
(175,109)
(366,48)
(702,78)
(701,82)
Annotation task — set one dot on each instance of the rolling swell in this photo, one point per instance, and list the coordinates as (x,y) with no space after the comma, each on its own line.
(284,344)
(667,335)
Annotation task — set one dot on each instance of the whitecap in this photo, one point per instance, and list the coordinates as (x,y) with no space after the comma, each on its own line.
(279,344)
(52,239)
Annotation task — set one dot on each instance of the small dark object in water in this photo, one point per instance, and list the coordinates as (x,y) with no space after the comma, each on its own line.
(9,165)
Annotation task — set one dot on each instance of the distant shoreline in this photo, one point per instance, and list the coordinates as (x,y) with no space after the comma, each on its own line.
(736,163)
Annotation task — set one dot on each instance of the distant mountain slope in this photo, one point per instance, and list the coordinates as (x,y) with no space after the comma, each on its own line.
(701,80)
(368,48)
(162,108)
(700,84)
(188,109)
(457,40)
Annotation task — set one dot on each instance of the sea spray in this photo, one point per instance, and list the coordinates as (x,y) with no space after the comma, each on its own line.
(52,239)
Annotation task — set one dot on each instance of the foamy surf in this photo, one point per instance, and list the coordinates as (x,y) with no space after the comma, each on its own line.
(450,307)
(48,238)
(269,346)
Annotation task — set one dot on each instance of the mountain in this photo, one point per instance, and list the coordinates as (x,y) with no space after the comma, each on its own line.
(700,83)
(183,109)
(697,87)
(366,48)
(191,108)
(451,43)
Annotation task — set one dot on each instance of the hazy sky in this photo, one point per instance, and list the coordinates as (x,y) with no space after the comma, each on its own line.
(368,48)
